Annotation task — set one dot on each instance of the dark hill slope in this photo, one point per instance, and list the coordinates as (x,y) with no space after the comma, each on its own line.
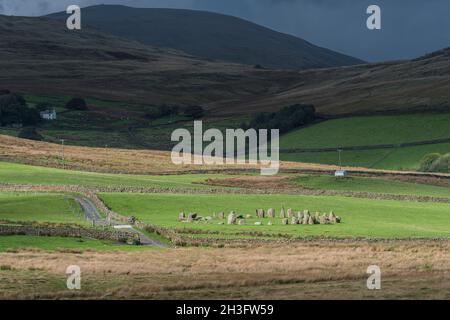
(421,84)
(41,56)
(211,35)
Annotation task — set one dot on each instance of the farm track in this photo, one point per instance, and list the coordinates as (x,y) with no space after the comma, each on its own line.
(90,211)
(92,214)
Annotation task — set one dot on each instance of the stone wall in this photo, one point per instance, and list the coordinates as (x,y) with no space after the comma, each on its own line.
(68,231)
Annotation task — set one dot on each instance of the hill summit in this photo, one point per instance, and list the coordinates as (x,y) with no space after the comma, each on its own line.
(212,36)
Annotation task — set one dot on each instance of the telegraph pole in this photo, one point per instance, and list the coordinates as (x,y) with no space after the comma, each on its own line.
(62,153)
(340,158)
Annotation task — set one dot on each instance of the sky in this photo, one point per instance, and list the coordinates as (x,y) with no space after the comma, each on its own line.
(409,28)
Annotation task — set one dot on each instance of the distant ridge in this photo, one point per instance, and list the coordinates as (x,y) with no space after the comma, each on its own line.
(212,36)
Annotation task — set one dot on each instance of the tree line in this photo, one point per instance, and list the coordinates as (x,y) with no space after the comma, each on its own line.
(286,119)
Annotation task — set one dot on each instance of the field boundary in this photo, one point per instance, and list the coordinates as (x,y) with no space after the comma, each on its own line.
(90,192)
(366,147)
(67,231)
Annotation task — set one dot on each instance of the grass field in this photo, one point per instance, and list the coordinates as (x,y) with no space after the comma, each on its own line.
(11,243)
(362,131)
(40,208)
(374,185)
(388,159)
(361,217)
(24,174)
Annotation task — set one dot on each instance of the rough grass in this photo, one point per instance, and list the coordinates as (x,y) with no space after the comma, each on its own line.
(105,159)
(40,208)
(361,217)
(410,270)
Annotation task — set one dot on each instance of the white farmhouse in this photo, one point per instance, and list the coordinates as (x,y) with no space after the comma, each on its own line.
(48,114)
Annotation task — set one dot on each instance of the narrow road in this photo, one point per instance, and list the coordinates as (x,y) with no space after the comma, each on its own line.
(90,211)
(93,215)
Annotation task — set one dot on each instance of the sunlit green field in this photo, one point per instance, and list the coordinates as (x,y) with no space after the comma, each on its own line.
(10,243)
(374,185)
(367,131)
(40,207)
(24,174)
(375,130)
(361,217)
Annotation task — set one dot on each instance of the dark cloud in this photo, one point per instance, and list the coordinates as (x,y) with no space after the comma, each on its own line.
(410,27)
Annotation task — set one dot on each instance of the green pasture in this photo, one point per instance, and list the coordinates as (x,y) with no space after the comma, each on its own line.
(361,217)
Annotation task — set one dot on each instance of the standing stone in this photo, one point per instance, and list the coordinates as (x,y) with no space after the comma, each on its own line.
(294,220)
(271,213)
(241,222)
(311,220)
(300,217)
(332,217)
(306,218)
(317,216)
(290,213)
(282,213)
(323,220)
(260,213)
(232,218)
(181,216)
(221,215)
(285,221)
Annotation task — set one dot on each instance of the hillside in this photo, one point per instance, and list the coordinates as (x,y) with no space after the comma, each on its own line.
(422,84)
(40,56)
(211,36)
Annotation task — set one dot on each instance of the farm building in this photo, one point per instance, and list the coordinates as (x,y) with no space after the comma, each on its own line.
(340,173)
(48,114)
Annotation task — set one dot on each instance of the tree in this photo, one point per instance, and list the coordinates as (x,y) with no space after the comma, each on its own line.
(427,161)
(30,133)
(77,104)
(14,110)
(286,119)
(435,162)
